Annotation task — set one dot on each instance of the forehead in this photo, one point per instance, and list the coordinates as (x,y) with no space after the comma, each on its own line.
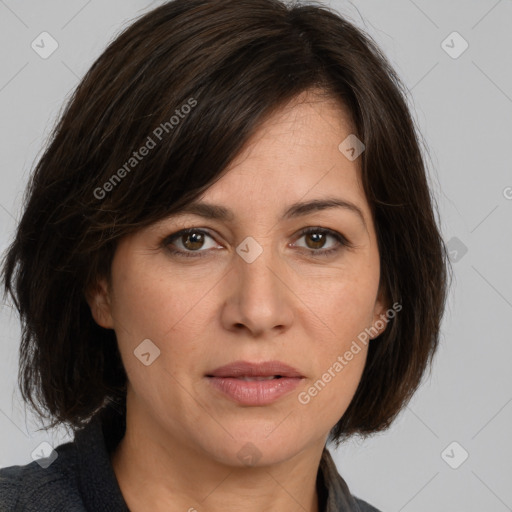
(294,155)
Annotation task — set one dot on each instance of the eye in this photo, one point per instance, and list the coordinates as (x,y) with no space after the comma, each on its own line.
(316,237)
(191,240)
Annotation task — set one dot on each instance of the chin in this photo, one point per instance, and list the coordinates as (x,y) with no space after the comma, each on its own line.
(256,449)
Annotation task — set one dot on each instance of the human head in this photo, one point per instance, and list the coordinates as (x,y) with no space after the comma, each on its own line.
(185,52)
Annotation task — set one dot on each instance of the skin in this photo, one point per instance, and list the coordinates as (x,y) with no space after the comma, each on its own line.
(182,439)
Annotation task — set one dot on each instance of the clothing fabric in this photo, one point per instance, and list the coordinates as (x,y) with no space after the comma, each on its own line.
(82,479)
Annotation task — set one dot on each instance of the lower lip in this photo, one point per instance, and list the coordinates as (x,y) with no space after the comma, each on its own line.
(256,392)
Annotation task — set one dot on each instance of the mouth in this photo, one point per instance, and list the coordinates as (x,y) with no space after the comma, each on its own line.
(252,371)
(254,384)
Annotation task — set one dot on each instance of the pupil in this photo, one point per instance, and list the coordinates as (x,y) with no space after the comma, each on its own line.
(319,240)
(194,238)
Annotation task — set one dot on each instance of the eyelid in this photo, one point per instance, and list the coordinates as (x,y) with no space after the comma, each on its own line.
(342,239)
(167,241)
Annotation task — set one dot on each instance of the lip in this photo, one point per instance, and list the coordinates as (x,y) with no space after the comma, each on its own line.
(228,380)
(250,369)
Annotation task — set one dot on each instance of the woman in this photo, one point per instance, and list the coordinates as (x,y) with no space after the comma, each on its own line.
(228,258)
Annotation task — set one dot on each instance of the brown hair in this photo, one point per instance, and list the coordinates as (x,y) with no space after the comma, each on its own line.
(233,62)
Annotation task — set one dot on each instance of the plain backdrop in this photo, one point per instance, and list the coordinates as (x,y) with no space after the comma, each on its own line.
(451,448)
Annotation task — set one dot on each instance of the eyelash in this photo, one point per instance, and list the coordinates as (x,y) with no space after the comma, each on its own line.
(343,242)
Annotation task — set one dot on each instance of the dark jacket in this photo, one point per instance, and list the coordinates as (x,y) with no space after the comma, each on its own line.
(81,478)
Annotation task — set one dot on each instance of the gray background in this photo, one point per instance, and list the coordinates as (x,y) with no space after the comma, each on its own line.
(463,107)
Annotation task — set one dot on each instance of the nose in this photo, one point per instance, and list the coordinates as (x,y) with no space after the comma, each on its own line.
(258,297)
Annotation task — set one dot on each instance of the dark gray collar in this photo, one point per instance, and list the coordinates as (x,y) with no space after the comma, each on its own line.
(338,496)
(98,484)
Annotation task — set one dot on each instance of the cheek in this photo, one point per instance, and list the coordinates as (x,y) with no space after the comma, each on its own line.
(171,311)
(345,308)
(330,392)
(347,314)
(151,300)
(343,303)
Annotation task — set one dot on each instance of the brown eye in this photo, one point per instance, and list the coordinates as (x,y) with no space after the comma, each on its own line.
(188,242)
(317,240)
(193,241)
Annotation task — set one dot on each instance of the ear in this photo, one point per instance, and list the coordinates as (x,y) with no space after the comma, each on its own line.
(380,320)
(98,298)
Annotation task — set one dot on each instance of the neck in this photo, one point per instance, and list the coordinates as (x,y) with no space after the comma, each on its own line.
(156,472)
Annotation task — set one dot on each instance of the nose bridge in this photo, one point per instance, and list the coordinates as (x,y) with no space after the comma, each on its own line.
(257,267)
(259,292)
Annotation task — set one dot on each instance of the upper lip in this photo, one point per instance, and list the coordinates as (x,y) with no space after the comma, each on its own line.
(250,369)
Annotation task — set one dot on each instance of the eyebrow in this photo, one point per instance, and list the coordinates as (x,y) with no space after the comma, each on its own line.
(299,209)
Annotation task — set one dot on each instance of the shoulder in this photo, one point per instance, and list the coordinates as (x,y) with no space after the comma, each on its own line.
(34,488)
(364,506)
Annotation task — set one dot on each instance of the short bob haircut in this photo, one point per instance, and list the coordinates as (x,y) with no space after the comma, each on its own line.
(198,77)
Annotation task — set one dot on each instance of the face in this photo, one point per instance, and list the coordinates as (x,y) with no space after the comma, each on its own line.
(253,287)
